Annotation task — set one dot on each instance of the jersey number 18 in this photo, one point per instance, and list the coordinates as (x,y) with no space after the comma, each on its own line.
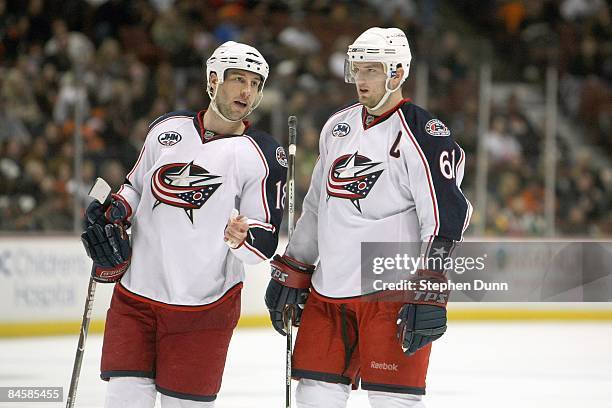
(281,192)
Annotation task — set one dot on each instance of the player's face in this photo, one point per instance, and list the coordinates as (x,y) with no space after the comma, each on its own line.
(237,93)
(370,81)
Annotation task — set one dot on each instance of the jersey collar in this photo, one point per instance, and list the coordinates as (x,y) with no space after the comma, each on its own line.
(209,135)
(369,121)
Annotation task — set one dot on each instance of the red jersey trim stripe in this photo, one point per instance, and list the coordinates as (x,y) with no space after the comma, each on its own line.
(468,212)
(123,187)
(263,181)
(202,130)
(254,250)
(344,110)
(267,227)
(432,191)
(460,160)
(468,216)
(382,116)
(171,117)
(137,163)
(125,202)
(428,249)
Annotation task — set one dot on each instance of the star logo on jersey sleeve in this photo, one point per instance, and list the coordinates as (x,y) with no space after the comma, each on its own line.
(352,177)
(183,185)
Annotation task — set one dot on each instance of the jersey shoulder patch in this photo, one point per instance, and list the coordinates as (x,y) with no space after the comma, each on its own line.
(435,127)
(428,132)
(423,123)
(341,127)
(179,113)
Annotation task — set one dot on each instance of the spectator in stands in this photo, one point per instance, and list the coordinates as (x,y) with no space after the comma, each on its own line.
(501,145)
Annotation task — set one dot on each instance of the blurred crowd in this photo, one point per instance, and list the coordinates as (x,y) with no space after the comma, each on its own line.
(105,69)
(575,36)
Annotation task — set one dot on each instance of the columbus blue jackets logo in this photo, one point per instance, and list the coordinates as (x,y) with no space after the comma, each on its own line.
(169,138)
(352,177)
(436,128)
(341,130)
(183,185)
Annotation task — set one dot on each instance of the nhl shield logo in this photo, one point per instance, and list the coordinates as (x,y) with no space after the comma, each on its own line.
(341,130)
(169,138)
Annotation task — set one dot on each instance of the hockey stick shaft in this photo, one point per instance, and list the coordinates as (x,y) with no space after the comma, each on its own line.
(101,192)
(291,173)
(78,358)
(292,122)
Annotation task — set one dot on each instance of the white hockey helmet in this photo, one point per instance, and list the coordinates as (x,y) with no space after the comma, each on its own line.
(234,55)
(386,45)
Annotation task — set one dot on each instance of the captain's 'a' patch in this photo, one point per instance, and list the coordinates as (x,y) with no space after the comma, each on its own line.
(436,128)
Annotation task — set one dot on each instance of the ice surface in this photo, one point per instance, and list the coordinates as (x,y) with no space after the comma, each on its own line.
(505,365)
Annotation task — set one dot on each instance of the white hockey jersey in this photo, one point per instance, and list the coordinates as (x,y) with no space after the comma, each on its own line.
(182,191)
(392,178)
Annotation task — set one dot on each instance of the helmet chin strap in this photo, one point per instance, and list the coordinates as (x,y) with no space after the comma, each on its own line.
(385,97)
(215,108)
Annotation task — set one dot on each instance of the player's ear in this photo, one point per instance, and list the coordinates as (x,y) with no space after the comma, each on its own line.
(213,81)
(399,74)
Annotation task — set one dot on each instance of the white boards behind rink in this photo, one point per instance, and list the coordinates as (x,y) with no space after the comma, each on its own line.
(43,283)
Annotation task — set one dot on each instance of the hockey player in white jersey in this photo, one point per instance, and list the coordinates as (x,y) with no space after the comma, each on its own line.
(387,172)
(204,197)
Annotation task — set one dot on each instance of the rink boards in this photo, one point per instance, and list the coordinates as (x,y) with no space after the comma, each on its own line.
(43,282)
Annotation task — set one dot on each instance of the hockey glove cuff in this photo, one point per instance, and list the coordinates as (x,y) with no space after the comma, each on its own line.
(118,211)
(288,288)
(109,248)
(290,272)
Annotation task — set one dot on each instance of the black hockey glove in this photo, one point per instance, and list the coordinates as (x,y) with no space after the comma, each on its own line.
(423,319)
(115,212)
(109,249)
(289,287)
(418,325)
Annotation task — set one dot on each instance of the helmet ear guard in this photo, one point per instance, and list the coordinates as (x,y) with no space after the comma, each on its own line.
(393,69)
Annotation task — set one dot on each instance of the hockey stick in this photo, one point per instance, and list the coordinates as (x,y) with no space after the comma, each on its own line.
(289,311)
(101,192)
